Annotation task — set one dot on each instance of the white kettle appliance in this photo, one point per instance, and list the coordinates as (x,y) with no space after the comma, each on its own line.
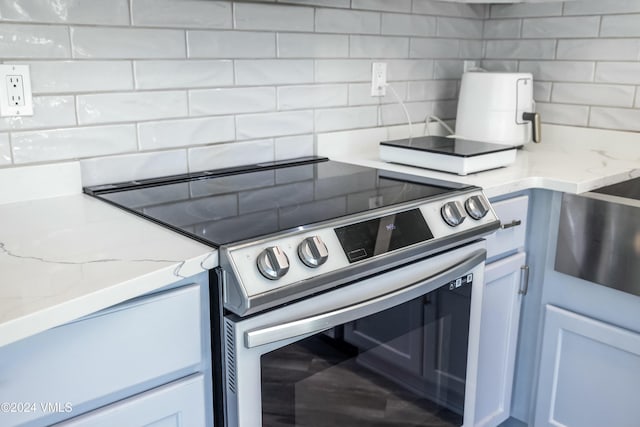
(497,108)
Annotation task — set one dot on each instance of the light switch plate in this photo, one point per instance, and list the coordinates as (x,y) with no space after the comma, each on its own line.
(15,91)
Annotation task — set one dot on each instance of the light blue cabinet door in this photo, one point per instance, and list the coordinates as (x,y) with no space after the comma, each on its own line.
(179,404)
(589,373)
(501,302)
(133,346)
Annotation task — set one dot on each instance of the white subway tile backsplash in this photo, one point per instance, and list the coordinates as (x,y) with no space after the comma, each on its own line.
(49,112)
(327,3)
(408,25)
(347,21)
(434,48)
(189,73)
(618,72)
(471,49)
(303,45)
(502,28)
(593,94)
(5,149)
(446,8)
(563,71)
(181,13)
(388,5)
(290,147)
(99,12)
(360,94)
(34,41)
(79,76)
(460,28)
(72,143)
(571,115)
(393,114)
(599,49)
(409,69)
(231,44)
(252,16)
(119,43)
(620,26)
(131,106)
(378,47)
(615,118)
(168,74)
(520,49)
(277,71)
(128,167)
(342,70)
(542,91)
(599,7)
(497,65)
(448,69)
(274,124)
(346,118)
(185,132)
(312,96)
(432,90)
(562,27)
(219,156)
(522,10)
(232,100)
(445,109)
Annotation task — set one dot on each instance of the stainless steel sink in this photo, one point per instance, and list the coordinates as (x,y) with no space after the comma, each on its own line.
(627,189)
(599,236)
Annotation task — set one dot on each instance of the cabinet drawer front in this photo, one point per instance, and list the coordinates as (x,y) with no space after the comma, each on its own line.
(513,216)
(180,404)
(89,362)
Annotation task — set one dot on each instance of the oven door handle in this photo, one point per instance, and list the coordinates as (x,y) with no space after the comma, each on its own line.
(321,322)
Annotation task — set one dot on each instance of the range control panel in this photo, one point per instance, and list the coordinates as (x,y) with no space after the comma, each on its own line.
(291,258)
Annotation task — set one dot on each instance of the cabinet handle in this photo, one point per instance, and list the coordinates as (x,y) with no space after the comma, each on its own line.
(524,280)
(514,223)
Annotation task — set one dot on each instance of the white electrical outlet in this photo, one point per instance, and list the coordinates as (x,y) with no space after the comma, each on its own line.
(379,79)
(15,91)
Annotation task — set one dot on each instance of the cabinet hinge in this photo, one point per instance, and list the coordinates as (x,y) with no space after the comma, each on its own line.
(524,280)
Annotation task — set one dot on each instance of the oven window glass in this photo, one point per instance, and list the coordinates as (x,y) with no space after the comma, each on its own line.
(405,366)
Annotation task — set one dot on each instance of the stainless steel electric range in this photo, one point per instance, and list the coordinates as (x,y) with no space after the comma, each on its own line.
(345,295)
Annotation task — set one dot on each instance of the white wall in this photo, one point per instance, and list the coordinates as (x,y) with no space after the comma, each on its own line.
(585,56)
(166,86)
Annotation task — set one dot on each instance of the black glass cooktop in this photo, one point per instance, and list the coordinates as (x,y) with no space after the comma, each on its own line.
(230,205)
(449,146)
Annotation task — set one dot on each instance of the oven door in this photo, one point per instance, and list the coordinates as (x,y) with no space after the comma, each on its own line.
(397,348)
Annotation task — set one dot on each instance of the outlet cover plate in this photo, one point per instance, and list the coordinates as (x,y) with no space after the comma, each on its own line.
(379,79)
(9,108)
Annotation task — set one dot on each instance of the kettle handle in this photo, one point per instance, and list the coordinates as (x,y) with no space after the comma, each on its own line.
(534,118)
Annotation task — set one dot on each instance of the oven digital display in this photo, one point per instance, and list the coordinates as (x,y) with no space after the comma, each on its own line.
(380,235)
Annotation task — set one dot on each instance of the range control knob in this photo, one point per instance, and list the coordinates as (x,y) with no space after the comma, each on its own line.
(476,207)
(313,252)
(273,263)
(453,213)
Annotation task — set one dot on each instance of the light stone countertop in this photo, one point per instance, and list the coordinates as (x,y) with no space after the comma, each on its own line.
(70,255)
(572,160)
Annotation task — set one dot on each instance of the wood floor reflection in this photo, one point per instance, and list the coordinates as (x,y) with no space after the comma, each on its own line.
(314,384)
